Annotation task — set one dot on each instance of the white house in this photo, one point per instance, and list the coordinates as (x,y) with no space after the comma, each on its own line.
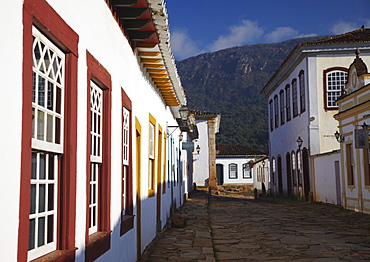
(233,164)
(353,135)
(91,159)
(301,105)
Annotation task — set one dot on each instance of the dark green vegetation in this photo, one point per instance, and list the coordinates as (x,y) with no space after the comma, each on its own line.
(229,82)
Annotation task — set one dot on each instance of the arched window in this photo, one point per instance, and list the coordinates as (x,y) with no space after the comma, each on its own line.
(334,81)
(271,115)
(233,171)
(276,108)
(294,169)
(302,90)
(246,171)
(273,165)
(295,97)
(288,108)
(282,108)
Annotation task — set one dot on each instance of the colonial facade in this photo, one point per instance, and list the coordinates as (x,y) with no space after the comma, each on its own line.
(353,135)
(233,164)
(302,98)
(91,166)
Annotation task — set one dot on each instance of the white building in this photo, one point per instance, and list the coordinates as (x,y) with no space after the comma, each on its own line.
(233,164)
(302,95)
(261,175)
(91,168)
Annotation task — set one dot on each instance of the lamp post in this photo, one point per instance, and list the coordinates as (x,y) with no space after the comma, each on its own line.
(299,142)
(339,137)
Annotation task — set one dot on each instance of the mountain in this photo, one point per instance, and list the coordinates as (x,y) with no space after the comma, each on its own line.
(229,82)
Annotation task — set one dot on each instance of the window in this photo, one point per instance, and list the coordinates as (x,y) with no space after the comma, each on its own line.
(246,171)
(294,168)
(233,171)
(334,81)
(282,108)
(151,167)
(96,134)
(299,168)
(271,116)
(98,161)
(273,164)
(127,218)
(47,143)
(288,108)
(302,91)
(49,92)
(276,105)
(295,97)
(366,156)
(349,160)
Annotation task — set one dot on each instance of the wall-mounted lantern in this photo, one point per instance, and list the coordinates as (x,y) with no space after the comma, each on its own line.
(198,149)
(299,142)
(339,137)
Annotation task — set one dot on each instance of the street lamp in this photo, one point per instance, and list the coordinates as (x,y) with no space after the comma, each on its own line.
(198,149)
(184,113)
(339,137)
(299,142)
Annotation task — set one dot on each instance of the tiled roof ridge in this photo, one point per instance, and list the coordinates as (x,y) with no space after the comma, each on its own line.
(361,35)
(199,112)
(236,149)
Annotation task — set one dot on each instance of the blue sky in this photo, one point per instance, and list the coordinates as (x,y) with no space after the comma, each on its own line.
(199,26)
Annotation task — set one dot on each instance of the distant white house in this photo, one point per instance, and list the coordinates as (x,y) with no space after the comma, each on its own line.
(260,169)
(302,98)
(232,164)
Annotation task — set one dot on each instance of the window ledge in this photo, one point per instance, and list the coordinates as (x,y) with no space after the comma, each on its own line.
(150,193)
(127,224)
(98,244)
(58,255)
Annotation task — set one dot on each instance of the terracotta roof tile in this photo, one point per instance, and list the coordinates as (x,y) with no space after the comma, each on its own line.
(361,35)
(236,150)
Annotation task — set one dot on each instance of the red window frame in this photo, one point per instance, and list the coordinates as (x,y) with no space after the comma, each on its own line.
(325,72)
(40,14)
(98,243)
(127,219)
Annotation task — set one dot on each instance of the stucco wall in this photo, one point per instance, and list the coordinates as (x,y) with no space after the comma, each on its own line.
(201,160)
(239,161)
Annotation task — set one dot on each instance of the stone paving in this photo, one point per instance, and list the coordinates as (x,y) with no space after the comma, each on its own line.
(235,227)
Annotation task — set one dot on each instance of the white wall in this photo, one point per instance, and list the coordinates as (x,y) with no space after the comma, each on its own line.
(325,178)
(239,161)
(11,118)
(201,160)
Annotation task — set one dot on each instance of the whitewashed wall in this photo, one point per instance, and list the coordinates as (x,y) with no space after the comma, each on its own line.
(201,160)
(326,181)
(239,161)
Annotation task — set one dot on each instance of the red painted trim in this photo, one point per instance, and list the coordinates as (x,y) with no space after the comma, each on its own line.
(127,221)
(324,86)
(97,73)
(42,15)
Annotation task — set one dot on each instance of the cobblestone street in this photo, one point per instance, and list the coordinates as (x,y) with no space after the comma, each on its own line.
(235,227)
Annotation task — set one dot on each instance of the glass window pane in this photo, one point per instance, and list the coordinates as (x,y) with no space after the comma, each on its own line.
(50,197)
(33,199)
(31,235)
(49,128)
(34,166)
(50,230)
(40,125)
(41,232)
(51,167)
(41,91)
(50,98)
(42,166)
(57,130)
(58,101)
(41,198)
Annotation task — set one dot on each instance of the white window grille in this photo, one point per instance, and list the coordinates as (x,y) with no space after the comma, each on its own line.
(47,143)
(96,133)
(125,160)
(233,171)
(295,97)
(246,171)
(335,81)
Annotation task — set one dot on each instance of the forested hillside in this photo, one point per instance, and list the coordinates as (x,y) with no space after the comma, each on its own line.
(229,82)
